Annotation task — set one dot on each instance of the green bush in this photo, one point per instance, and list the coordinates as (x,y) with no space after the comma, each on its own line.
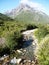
(13,40)
(31,26)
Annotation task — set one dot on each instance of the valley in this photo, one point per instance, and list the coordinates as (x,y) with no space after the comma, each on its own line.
(24,37)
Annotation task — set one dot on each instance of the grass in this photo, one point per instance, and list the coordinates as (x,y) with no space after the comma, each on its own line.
(43,52)
(42,35)
(41,32)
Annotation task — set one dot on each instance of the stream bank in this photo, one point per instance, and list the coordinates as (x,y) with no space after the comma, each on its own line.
(27,53)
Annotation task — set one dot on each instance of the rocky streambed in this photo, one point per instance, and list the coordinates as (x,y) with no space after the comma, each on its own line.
(27,52)
(30,44)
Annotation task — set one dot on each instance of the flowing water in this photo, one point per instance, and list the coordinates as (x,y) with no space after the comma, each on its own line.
(30,47)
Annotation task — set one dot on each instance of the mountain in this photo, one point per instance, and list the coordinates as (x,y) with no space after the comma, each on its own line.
(28,14)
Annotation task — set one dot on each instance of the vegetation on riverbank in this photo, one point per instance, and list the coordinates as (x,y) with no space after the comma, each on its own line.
(10,34)
(42,34)
(11,37)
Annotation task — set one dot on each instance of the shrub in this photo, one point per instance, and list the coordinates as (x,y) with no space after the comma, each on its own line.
(14,40)
(30,26)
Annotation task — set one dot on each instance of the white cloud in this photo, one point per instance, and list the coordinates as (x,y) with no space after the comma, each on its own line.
(24,1)
(33,4)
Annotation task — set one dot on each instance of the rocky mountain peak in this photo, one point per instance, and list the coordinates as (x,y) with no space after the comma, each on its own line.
(21,7)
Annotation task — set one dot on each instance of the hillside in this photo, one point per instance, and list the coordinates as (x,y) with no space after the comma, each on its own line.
(28,16)
(4,17)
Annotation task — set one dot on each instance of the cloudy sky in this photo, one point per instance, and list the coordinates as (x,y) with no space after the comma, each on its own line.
(42,5)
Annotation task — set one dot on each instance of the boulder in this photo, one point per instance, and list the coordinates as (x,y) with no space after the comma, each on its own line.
(14,60)
(1,59)
(19,60)
(19,51)
(24,50)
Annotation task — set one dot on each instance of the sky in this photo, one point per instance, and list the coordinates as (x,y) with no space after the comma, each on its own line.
(8,5)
